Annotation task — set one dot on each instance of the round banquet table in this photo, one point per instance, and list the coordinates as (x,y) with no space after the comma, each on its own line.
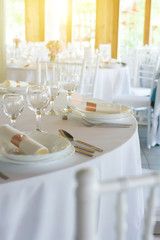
(38,203)
(110,83)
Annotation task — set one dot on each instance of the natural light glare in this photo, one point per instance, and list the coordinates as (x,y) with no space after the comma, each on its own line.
(84,21)
(55,20)
(15,20)
(131,25)
(155,24)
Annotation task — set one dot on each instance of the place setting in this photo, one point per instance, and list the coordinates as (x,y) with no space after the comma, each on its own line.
(34,147)
(100,113)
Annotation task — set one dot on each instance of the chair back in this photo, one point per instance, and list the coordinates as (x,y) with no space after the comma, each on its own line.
(155,116)
(88,191)
(105,51)
(147,65)
(47,70)
(87,87)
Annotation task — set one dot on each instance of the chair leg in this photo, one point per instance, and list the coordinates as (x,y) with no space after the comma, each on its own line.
(148,127)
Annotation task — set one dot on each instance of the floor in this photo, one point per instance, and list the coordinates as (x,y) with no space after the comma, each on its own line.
(150,157)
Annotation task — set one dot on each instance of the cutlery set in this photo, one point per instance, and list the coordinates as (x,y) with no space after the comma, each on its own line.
(88,150)
(85,148)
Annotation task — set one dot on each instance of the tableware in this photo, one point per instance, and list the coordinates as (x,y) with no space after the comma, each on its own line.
(110,125)
(13,105)
(38,98)
(54,88)
(68,82)
(23,143)
(71,138)
(79,150)
(58,146)
(101,111)
(78,147)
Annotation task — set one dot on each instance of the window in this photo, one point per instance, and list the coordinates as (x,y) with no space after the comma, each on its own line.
(84,21)
(15,20)
(155,22)
(56,20)
(131,25)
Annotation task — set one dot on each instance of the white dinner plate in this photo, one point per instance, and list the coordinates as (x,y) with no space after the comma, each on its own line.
(58,146)
(105,112)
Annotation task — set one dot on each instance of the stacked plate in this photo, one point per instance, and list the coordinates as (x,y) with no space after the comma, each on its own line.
(103,112)
(58,146)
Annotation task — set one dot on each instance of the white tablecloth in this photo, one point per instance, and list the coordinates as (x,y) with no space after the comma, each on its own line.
(110,83)
(21,73)
(42,207)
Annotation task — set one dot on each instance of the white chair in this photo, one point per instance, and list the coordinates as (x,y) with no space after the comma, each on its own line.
(155,123)
(139,104)
(87,87)
(142,64)
(89,190)
(105,51)
(131,59)
(147,65)
(47,70)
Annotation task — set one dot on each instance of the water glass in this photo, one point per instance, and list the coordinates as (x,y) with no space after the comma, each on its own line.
(38,98)
(54,89)
(13,105)
(68,83)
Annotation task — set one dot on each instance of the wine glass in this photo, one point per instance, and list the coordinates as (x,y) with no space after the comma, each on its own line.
(68,82)
(54,89)
(38,98)
(13,105)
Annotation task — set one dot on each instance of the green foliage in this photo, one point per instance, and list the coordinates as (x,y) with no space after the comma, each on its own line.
(15,19)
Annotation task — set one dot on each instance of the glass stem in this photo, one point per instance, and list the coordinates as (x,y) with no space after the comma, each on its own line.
(52,105)
(13,121)
(38,120)
(68,102)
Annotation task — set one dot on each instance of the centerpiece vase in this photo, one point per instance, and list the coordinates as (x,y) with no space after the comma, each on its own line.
(52,57)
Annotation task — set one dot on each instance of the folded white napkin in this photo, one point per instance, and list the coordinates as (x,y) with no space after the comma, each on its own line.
(26,144)
(12,83)
(99,107)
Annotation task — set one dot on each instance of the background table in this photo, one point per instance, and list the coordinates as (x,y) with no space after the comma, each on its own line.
(43,207)
(110,82)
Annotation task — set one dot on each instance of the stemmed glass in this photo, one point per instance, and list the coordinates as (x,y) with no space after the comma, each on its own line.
(38,98)
(13,105)
(68,83)
(54,89)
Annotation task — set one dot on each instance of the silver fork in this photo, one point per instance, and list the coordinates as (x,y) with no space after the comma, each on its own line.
(111,125)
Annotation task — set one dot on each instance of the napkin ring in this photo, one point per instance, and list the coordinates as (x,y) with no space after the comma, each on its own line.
(90,106)
(17,139)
